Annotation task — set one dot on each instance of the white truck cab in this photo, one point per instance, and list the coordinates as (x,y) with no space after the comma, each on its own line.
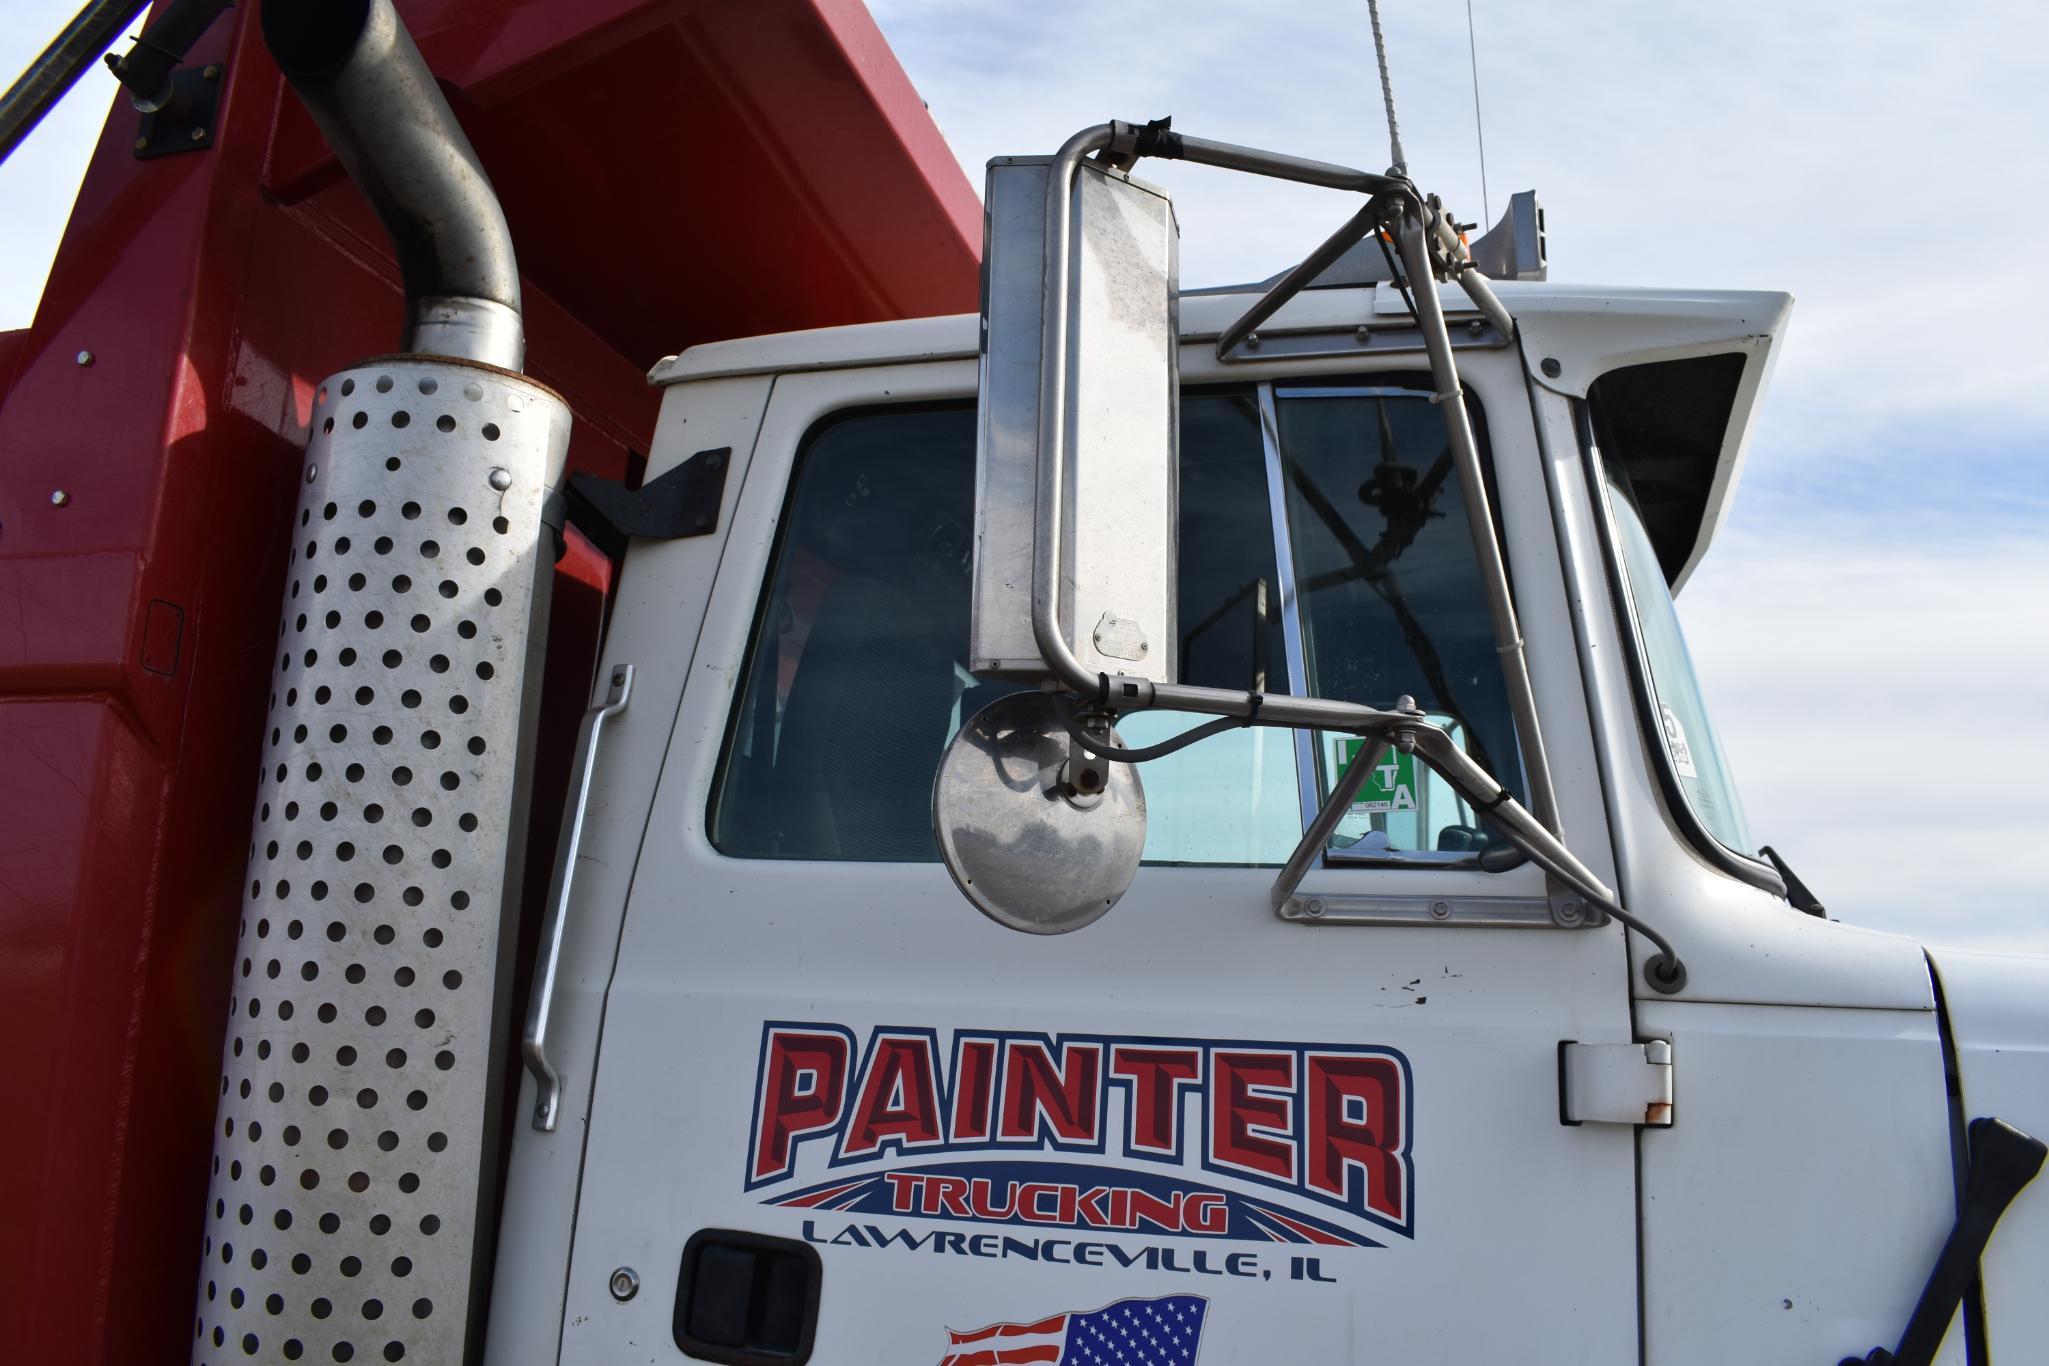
(915,986)
(1415,1115)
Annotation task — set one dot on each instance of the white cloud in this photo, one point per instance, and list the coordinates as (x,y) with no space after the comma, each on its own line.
(1884,710)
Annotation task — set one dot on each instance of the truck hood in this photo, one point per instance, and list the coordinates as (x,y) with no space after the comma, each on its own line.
(1998,1013)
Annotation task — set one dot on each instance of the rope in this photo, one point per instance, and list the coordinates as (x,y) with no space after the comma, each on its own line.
(1394,131)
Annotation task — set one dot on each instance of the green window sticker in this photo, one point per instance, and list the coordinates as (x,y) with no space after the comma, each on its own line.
(1392,784)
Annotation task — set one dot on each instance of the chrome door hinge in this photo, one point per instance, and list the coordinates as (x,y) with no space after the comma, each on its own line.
(1615,1083)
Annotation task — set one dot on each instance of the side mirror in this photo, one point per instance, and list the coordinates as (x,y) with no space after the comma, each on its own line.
(1121,374)
(1074,565)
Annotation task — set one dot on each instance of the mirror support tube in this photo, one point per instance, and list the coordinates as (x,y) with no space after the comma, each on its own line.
(1121,140)
(1536,835)
(1508,638)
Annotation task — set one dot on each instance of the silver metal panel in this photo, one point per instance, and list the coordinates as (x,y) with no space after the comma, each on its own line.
(344,1207)
(1118,554)
(1327,908)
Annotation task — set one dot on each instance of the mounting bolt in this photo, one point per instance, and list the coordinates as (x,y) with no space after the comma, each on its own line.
(198,135)
(1440,910)
(59,498)
(1364,333)
(312,472)
(625,1284)
(501,478)
(1571,912)
(1313,907)
(1551,368)
(1476,327)
(212,73)
(1251,341)
(84,358)
(142,144)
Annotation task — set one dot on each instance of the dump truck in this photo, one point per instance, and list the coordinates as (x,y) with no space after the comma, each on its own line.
(987,808)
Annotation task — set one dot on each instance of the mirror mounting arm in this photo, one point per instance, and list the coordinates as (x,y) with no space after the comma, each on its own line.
(1421,225)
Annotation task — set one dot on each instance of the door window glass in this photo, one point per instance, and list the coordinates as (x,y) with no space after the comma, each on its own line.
(1391,603)
(856,678)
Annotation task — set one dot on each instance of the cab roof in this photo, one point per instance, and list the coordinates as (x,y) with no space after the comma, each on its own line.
(1682,429)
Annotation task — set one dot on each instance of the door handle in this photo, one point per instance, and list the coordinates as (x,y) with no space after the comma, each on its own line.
(534,1043)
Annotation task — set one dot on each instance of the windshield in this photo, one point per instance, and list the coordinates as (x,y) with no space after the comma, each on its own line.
(1693,752)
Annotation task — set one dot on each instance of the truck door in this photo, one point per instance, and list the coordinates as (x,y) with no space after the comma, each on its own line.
(1195,1131)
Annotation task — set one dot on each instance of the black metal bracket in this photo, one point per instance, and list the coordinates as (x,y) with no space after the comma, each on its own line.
(2003,1161)
(682,502)
(186,122)
(1797,894)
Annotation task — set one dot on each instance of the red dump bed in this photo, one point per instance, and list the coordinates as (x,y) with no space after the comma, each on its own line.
(673,173)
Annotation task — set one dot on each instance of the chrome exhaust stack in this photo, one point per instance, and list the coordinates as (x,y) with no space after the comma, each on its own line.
(350,1213)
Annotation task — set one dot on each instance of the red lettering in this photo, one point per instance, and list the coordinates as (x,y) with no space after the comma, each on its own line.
(1355,1119)
(946,1195)
(1157,1076)
(1161,1213)
(1065,1098)
(985,1208)
(803,1090)
(1204,1213)
(903,1190)
(898,1096)
(1250,1126)
(1030,1208)
(974,1090)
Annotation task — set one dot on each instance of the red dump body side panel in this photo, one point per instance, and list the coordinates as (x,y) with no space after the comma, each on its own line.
(673,173)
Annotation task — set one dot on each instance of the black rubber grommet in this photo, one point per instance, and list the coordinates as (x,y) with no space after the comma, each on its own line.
(1666,975)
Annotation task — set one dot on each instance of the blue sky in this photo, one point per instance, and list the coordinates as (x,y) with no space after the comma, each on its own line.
(1873,626)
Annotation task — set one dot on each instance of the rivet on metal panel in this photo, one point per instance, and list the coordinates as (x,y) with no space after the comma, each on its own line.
(142,144)
(84,358)
(1551,368)
(197,135)
(1313,907)
(1440,910)
(500,479)
(625,1284)
(59,498)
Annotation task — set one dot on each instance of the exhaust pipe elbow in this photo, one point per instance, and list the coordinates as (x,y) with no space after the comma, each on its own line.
(356,69)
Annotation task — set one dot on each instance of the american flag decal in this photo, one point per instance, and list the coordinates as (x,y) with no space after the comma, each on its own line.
(1161,1332)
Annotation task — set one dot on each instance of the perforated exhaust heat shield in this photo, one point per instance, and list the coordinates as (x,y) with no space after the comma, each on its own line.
(367,1021)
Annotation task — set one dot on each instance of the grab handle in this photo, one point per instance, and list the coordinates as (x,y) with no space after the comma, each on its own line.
(534,1044)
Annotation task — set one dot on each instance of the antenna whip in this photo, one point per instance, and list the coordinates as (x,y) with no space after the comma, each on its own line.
(1479,128)
(1394,130)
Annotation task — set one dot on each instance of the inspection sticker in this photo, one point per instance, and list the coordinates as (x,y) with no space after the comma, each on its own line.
(1392,784)
(1675,740)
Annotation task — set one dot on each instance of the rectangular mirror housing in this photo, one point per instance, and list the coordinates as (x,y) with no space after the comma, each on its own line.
(1117,553)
